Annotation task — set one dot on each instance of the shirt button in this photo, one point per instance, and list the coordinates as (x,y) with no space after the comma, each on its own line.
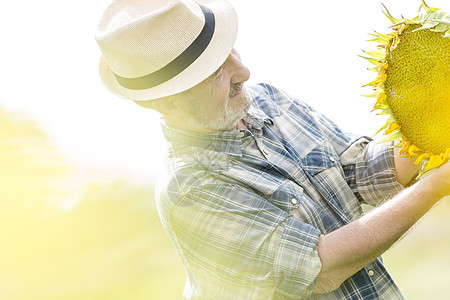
(294,201)
(242,134)
(332,159)
(371,273)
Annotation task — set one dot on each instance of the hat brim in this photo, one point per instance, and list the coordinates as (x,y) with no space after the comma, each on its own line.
(207,63)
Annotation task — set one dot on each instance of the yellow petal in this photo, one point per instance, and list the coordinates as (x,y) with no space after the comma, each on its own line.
(380,98)
(381,78)
(405,148)
(435,161)
(391,128)
(413,150)
(446,155)
(421,157)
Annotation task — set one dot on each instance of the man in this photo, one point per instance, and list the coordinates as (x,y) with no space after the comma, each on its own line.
(262,198)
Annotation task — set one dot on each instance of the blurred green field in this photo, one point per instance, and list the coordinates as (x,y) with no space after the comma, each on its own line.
(68,235)
(419,261)
(71,234)
(110,246)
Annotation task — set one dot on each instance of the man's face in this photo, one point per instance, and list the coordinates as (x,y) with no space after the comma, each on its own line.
(220,101)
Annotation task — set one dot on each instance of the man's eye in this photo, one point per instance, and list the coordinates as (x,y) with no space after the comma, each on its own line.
(218,72)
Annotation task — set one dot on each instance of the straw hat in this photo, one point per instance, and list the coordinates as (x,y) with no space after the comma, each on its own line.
(156,48)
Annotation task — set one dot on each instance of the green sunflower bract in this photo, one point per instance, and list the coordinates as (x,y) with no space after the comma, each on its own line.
(412,85)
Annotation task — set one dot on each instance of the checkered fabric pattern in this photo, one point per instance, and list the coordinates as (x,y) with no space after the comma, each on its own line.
(244,208)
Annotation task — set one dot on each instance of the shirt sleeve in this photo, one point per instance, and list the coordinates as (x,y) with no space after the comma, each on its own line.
(370,172)
(368,166)
(240,246)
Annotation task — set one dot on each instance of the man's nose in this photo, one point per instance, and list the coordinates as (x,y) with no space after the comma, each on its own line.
(240,72)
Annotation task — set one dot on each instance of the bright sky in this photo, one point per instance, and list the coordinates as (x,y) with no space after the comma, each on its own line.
(310,49)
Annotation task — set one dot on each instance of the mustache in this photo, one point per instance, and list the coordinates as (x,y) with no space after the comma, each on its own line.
(235,88)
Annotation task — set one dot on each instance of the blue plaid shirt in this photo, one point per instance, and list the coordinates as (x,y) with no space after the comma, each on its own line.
(244,208)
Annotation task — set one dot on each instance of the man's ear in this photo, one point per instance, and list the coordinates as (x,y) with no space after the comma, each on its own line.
(145,104)
(166,106)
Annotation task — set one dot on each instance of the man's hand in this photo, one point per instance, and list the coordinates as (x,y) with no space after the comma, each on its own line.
(440,181)
(348,249)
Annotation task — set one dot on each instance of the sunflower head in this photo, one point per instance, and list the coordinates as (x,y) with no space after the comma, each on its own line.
(412,85)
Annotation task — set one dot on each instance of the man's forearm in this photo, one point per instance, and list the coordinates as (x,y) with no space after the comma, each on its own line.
(348,249)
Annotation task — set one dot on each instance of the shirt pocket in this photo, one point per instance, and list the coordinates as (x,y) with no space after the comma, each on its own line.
(319,158)
(287,196)
(291,198)
(322,166)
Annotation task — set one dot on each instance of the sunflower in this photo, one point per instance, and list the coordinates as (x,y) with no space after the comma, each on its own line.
(412,85)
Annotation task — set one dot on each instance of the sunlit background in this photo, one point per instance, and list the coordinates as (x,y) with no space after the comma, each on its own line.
(78,165)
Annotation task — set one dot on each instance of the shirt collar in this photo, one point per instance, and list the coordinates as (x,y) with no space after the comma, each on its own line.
(228,142)
(256,119)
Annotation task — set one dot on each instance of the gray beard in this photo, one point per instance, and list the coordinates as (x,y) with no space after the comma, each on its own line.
(228,118)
